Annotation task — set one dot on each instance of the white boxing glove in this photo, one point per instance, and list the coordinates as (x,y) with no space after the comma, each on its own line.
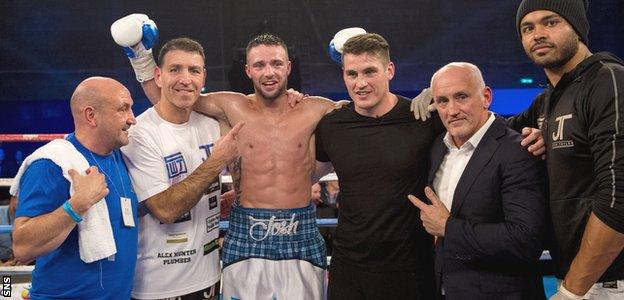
(341,37)
(136,33)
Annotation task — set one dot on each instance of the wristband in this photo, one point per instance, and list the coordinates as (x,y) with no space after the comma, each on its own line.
(71,212)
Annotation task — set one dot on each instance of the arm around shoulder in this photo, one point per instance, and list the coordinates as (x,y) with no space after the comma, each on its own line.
(219,104)
(327,105)
(530,117)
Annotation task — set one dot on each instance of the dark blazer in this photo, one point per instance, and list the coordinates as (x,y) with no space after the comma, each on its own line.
(493,238)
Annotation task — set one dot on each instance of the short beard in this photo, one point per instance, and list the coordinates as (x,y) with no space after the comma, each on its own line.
(274,96)
(562,55)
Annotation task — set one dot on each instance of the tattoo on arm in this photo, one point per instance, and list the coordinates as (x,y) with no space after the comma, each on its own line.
(235,171)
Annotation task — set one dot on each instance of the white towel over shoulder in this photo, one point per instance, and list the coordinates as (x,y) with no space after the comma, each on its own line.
(95,234)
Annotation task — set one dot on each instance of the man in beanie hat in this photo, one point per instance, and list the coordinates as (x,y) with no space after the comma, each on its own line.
(573,11)
(580,115)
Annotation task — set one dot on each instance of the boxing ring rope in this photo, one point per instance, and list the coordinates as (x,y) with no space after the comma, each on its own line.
(223,225)
(45,137)
(7,182)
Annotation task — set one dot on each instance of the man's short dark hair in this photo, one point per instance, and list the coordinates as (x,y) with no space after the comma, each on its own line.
(369,43)
(184,44)
(267,39)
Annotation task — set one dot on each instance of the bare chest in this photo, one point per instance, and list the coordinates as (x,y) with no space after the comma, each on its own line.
(285,136)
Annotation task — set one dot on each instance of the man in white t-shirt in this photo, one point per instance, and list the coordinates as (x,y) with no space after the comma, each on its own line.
(174,158)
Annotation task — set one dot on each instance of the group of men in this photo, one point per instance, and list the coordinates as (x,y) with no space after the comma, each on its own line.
(486,217)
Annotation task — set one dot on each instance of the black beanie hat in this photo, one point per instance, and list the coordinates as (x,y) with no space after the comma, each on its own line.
(574,11)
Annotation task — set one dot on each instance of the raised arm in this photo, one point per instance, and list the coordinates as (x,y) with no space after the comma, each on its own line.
(136,33)
(151,90)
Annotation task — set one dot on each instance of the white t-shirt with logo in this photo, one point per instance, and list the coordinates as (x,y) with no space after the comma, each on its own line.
(182,257)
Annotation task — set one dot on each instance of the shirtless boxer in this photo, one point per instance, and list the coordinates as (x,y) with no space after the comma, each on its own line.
(273,248)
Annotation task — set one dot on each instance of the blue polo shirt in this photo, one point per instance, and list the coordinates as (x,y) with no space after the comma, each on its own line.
(61,273)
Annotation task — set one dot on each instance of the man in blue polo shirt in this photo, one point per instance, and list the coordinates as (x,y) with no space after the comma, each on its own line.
(49,226)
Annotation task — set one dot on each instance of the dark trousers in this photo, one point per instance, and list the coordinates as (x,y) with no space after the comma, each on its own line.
(347,282)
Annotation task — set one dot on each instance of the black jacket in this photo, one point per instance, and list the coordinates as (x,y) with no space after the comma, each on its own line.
(493,237)
(583,126)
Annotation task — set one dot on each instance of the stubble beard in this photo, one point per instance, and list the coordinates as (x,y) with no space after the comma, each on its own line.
(273,96)
(560,57)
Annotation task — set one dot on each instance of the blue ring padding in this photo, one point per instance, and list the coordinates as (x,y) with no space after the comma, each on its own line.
(6,228)
(223,225)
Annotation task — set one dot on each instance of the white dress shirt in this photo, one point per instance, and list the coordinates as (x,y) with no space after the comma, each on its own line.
(454,162)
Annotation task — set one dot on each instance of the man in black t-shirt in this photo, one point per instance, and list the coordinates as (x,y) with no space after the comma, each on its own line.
(380,154)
